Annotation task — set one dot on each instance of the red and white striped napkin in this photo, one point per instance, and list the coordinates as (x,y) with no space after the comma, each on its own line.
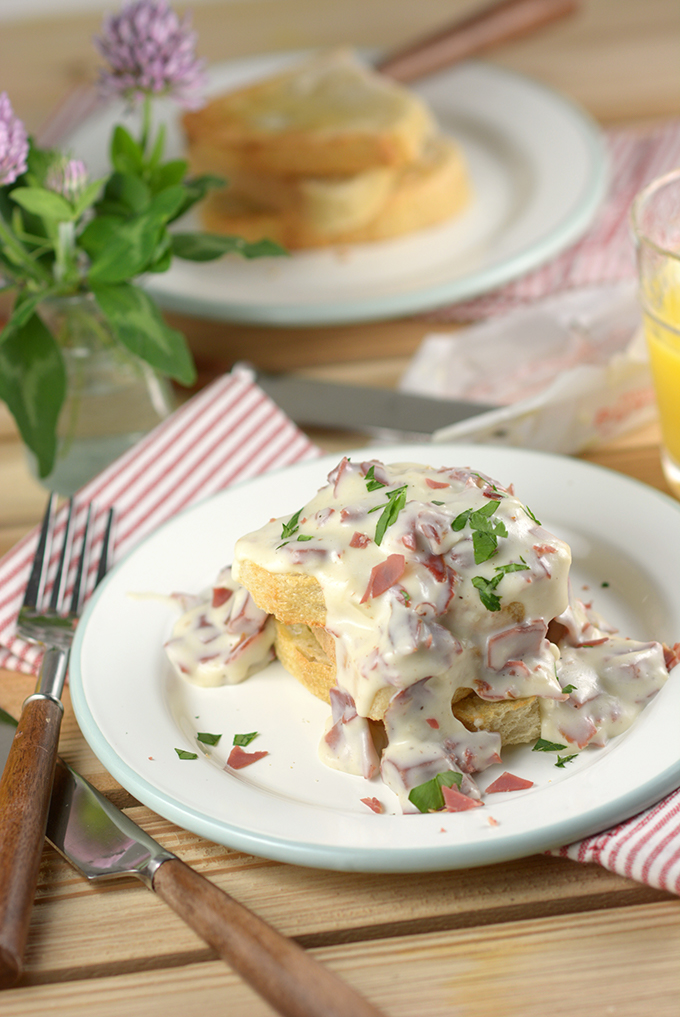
(229,432)
(637,155)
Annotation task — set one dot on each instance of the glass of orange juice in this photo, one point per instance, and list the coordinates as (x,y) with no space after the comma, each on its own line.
(655,218)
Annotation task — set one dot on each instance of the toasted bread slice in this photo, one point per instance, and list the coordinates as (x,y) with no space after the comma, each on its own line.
(329,116)
(428,192)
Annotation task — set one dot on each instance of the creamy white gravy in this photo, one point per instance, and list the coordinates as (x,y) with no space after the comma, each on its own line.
(437,580)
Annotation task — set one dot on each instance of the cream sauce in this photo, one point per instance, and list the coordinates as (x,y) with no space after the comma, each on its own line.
(221,637)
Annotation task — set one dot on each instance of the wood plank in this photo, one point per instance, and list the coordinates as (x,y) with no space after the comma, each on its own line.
(615,959)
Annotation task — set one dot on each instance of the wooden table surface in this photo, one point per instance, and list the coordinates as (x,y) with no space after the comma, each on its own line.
(525,938)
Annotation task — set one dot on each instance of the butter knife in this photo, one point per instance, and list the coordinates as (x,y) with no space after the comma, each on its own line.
(102,842)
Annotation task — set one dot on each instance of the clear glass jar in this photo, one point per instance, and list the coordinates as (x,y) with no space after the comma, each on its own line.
(113,398)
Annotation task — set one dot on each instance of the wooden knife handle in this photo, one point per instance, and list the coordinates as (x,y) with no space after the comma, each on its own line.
(494,24)
(291,981)
(25,791)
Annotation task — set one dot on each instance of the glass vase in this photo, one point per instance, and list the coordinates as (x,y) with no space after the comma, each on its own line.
(113,398)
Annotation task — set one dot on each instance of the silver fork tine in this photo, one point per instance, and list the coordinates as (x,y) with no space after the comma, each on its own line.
(62,568)
(75,595)
(106,543)
(36,580)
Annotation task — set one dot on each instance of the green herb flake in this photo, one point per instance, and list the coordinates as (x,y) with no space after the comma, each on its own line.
(183,754)
(563,760)
(542,745)
(245,739)
(396,501)
(569,689)
(531,515)
(485,588)
(604,585)
(371,483)
(436,502)
(304,536)
(208,739)
(428,797)
(291,527)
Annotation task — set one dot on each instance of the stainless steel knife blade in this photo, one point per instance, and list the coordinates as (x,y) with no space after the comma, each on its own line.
(361,408)
(102,842)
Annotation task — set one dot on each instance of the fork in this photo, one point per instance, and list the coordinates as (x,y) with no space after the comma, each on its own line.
(26,783)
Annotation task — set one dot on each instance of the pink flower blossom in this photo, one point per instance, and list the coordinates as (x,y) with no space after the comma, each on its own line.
(13,143)
(67,177)
(150,51)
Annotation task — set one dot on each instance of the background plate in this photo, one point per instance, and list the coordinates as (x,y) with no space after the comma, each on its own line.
(288,806)
(539,173)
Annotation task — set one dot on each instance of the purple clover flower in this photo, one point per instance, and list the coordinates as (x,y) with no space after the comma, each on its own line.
(67,177)
(13,143)
(150,51)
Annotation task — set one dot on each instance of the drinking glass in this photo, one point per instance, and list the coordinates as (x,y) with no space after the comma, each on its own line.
(656,225)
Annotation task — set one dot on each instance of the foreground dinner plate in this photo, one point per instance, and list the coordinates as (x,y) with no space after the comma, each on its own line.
(538,170)
(288,806)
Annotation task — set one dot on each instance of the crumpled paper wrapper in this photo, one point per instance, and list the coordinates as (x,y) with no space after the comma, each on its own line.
(566,374)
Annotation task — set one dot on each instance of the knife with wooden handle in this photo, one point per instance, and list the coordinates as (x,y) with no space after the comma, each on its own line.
(102,842)
(472,35)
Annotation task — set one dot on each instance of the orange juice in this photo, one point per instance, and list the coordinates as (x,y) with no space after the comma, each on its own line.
(662,330)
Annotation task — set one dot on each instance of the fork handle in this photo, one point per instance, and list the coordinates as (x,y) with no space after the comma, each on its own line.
(25,790)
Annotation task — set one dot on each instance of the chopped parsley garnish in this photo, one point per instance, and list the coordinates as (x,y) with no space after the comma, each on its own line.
(304,536)
(486,587)
(569,688)
(437,503)
(291,527)
(183,754)
(485,532)
(542,745)
(245,739)
(563,760)
(604,584)
(396,500)
(428,797)
(371,483)
(531,515)
(207,738)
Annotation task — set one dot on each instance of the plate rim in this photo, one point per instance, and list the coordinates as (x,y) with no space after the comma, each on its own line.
(423,299)
(341,857)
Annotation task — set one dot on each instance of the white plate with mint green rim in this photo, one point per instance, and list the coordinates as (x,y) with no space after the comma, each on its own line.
(288,806)
(539,173)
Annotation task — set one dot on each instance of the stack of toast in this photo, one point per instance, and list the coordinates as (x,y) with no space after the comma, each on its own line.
(307,650)
(326,152)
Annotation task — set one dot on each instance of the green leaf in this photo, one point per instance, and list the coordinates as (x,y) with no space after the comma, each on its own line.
(569,689)
(183,754)
(208,739)
(24,306)
(563,760)
(46,204)
(428,797)
(166,203)
(209,246)
(138,324)
(125,194)
(291,527)
(88,197)
(168,174)
(485,588)
(120,250)
(396,501)
(371,483)
(542,745)
(460,522)
(485,546)
(33,385)
(126,154)
(245,739)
